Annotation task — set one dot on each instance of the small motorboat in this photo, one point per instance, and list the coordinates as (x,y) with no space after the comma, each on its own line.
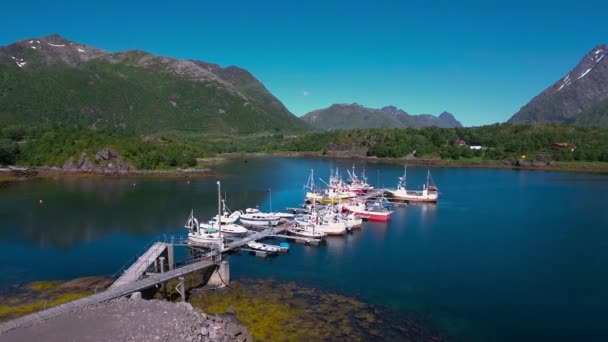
(263,247)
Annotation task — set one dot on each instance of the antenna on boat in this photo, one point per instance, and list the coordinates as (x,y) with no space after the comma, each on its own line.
(270,191)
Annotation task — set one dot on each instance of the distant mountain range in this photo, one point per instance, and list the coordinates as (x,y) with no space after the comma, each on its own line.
(580,97)
(54,80)
(355,116)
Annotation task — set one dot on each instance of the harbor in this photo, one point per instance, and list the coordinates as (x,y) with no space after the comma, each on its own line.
(422,248)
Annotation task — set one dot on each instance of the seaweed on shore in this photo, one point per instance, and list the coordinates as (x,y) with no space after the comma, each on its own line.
(276,311)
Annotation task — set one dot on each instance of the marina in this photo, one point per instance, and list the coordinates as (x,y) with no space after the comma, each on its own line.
(424,250)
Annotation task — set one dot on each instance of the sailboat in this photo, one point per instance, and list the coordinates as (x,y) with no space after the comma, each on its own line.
(429,192)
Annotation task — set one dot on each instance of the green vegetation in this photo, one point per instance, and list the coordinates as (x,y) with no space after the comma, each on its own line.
(53,146)
(500,141)
(46,145)
(139,97)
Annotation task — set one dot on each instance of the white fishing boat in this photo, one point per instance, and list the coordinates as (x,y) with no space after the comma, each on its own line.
(305,231)
(325,221)
(207,235)
(263,247)
(254,217)
(358,184)
(374,212)
(352,221)
(429,192)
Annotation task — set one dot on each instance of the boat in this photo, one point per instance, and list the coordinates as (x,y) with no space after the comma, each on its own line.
(263,247)
(328,224)
(336,192)
(352,221)
(374,212)
(227,216)
(429,192)
(358,184)
(305,231)
(288,216)
(207,235)
(254,217)
(228,228)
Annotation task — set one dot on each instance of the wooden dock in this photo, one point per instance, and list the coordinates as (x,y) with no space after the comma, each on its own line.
(139,267)
(134,278)
(111,293)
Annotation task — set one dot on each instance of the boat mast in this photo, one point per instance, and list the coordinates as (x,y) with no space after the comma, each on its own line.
(219,214)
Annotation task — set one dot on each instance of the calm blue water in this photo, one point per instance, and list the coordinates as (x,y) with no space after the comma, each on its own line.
(505,255)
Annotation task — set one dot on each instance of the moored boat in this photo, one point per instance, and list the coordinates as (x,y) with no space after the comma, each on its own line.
(263,247)
(358,184)
(254,217)
(305,231)
(207,235)
(429,192)
(375,212)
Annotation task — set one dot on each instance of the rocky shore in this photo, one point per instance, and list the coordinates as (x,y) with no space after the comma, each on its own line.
(135,320)
(106,162)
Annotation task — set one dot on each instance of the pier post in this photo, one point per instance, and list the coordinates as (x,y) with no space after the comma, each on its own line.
(221,276)
(182,288)
(170,258)
(162,264)
(163,286)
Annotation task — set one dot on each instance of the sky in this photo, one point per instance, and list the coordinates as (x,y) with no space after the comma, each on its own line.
(480,60)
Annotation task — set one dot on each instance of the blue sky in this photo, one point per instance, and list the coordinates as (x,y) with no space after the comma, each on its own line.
(479,60)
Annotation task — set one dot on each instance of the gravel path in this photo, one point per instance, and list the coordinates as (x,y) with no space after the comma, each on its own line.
(134,320)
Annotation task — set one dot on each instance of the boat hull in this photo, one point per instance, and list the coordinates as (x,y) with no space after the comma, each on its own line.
(260,222)
(428,197)
(207,239)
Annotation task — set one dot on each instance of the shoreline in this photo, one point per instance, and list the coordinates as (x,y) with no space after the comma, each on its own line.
(15,173)
(489,164)
(264,309)
(21,174)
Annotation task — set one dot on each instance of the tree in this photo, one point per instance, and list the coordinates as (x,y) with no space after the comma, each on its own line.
(8,151)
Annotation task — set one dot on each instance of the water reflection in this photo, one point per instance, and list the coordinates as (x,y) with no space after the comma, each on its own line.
(75,210)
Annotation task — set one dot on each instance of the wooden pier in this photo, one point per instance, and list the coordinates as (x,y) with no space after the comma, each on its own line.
(144,262)
(159,256)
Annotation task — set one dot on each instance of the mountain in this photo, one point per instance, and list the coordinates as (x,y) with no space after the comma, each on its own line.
(354,116)
(54,80)
(580,97)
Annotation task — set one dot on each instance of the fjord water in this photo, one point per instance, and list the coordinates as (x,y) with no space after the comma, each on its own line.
(505,254)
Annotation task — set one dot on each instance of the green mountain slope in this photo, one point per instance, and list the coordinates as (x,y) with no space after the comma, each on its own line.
(53,80)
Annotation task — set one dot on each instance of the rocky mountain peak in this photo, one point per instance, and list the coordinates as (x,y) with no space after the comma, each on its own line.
(393,110)
(576,92)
